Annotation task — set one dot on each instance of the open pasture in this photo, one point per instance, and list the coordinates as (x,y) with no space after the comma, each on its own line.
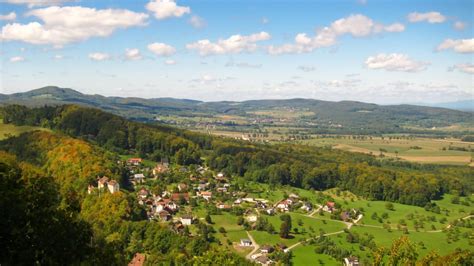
(422,150)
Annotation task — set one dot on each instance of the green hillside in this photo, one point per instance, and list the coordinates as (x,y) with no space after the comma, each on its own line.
(323,116)
(85,143)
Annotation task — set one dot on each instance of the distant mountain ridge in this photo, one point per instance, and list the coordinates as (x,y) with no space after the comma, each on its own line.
(351,114)
(466,105)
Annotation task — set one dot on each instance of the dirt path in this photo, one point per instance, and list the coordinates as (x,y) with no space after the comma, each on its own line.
(411,230)
(349,226)
(316,211)
(256,246)
(301,242)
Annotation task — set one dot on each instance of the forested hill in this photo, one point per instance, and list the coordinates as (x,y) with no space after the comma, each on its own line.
(298,166)
(352,115)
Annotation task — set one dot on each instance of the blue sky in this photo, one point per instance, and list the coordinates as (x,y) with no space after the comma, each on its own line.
(375,51)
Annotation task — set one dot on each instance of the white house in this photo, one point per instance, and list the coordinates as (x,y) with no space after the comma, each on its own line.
(113,186)
(307,206)
(90,188)
(139,177)
(329,207)
(102,182)
(186,219)
(244,242)
(270,211)
(238,201)
(172,205)
(284,205)
(351,261)
(266,249)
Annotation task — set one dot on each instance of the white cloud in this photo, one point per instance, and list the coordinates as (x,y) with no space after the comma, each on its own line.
(197,22)
(207,78)
(242,65)
(133,54)
(9,16)
(163,9)
(307,68)
(362,2)
(459,25)
(17,59)
(347,83)
(58,57)
(99,56)
(466,68)
(459,46)
(161,49)
(355,25)
(33,3)
(170,62)
(265,20)
(233,45)
(396,27)
(395,62)
(430,17)
(64,25)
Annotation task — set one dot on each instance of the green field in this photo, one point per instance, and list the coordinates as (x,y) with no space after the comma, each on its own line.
(448,212)
(422,150)
(305,255)
(434,235)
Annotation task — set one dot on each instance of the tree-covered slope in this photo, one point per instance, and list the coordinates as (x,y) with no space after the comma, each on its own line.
(295,165)
(352,116)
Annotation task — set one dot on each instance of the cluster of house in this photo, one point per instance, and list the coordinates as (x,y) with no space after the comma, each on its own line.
(104,182)
(286,204)
(330,207)
(163,206)
(135,167)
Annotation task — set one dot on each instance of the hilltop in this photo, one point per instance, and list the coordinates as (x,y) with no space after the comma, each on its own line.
(326,116)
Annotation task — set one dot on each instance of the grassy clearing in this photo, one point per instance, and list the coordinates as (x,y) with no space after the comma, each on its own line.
(282,113)
(431,220)
(431,241)
(428,238)
(9,130)
(421,150)
(305,255)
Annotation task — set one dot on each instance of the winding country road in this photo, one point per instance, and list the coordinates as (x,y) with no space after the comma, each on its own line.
(255,244)
(349,226)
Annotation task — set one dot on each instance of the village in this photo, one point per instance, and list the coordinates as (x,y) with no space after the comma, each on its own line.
(180,190)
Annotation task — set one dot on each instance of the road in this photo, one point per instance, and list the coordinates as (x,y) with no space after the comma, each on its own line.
(255,244)
(349,226)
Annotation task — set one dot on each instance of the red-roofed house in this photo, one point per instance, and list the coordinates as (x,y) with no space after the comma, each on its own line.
(177,196)
(207,195)
(138,260)
(134,161)
(329,207)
